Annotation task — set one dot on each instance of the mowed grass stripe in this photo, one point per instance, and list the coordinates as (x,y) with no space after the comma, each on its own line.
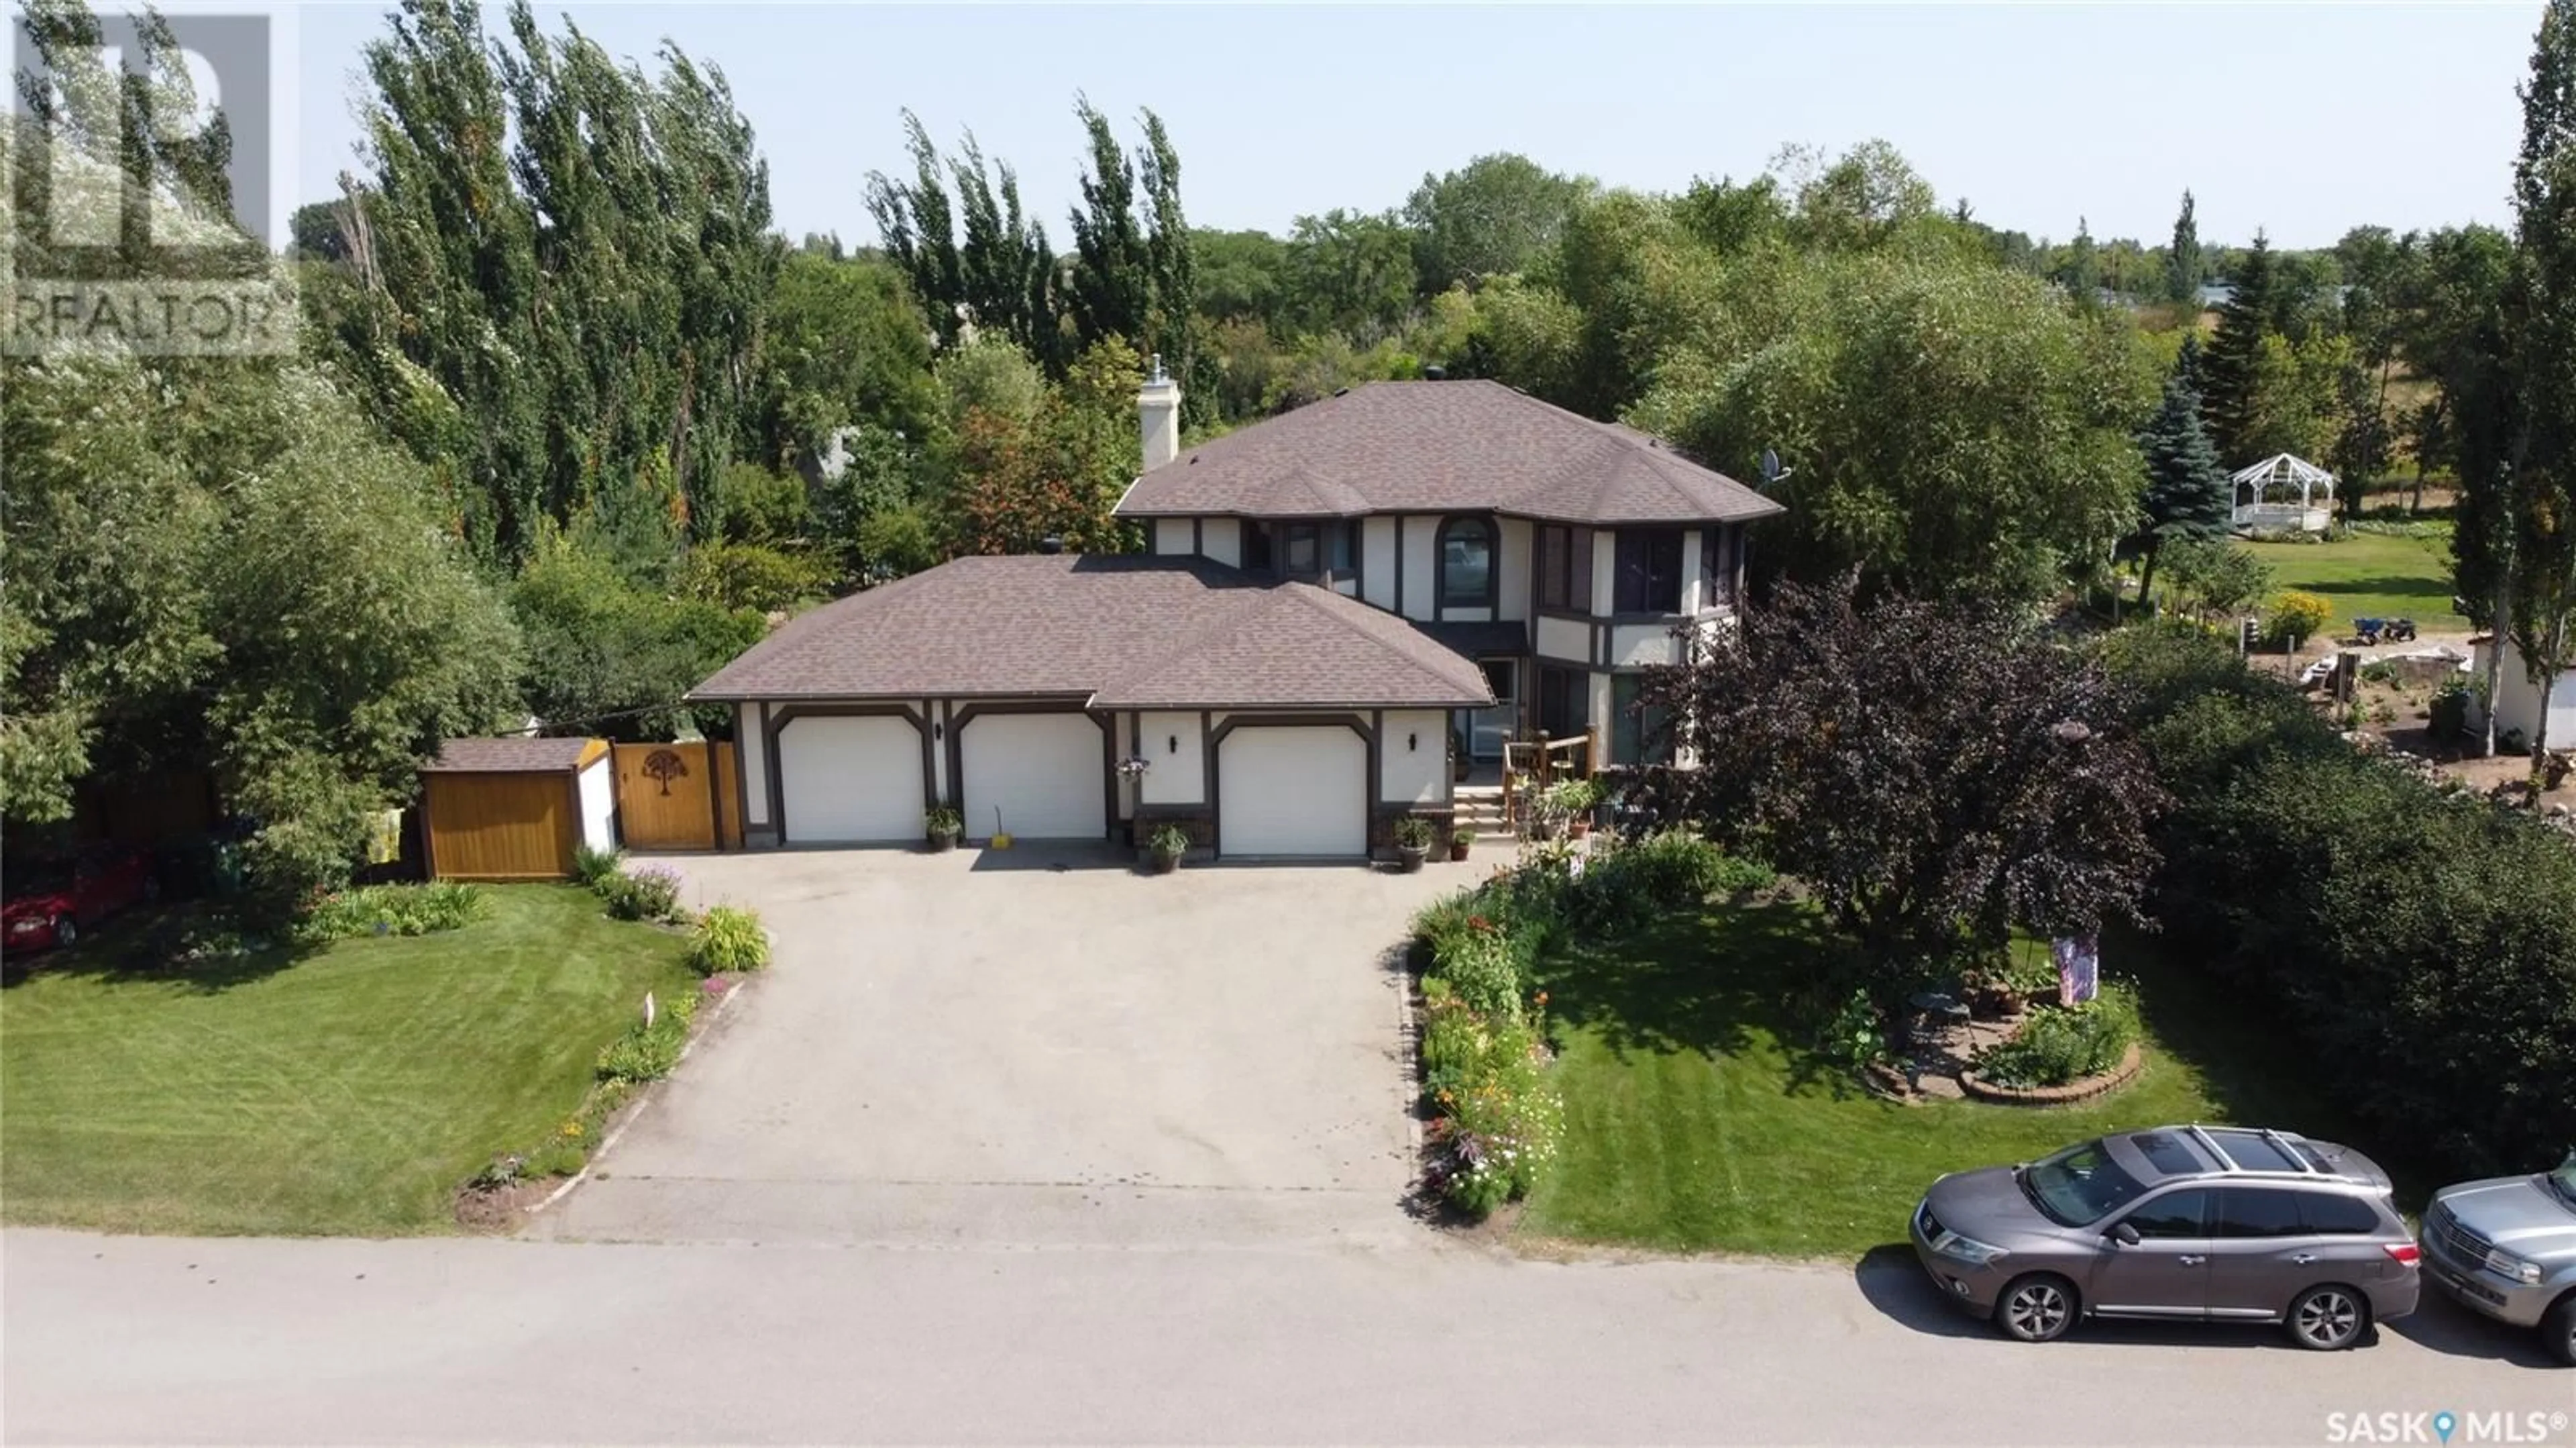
(347,1092)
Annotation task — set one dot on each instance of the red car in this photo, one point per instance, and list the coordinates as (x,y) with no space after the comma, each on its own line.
(49,904)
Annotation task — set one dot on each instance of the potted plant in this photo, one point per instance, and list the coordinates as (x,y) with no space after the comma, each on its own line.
(1573,800)
(1412,841)
(943,825)
(1459,841)
(1167,845)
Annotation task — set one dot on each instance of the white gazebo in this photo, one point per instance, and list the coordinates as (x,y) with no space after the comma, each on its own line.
(2280,476)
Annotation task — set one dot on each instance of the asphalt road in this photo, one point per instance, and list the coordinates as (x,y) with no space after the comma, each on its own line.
(157,1340)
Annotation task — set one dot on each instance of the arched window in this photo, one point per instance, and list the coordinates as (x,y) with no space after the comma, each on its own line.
(1467,563)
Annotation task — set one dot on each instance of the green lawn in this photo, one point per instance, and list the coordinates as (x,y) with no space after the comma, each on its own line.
(2371,575)
(347,1091)
(1697,1121)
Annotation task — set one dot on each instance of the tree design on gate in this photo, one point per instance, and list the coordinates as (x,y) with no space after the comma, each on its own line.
(665,765)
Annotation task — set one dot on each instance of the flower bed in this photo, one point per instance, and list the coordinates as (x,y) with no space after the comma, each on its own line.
(2084,1089)
(1497,1116)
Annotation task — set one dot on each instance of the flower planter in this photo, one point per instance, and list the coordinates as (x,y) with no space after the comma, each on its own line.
(1457,852)
(1578,827)
(1411,857)
(944,841)
(1164,864)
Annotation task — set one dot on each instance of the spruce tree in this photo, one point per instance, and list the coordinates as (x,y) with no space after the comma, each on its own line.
(2188,495)
(2228,368)
(2182,259)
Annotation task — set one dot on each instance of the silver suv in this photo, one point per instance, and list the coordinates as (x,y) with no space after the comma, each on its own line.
(2507,1248)
(2179,1223)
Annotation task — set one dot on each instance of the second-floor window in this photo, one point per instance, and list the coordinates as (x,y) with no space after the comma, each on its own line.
(1317,549)
(1466,563)
(1565,568)
(1721,558)
(1650,571)
(1301,550)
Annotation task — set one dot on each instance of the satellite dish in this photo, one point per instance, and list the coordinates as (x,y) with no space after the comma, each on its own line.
(1772,472)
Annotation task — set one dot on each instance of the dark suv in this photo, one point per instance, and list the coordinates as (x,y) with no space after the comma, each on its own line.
(2183,1223)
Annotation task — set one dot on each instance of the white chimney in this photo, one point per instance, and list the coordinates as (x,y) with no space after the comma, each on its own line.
(1158,413)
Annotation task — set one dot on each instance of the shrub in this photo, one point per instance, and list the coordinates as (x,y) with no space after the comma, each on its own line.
(2449,722)
(590,865)
(728,938)
(393,910)
(1855,1037)
(1628,885)
(649,1052)
(648,894)
(2059,1044)
(2391,928)
(1489,969)
(644,1053)
(2296,616)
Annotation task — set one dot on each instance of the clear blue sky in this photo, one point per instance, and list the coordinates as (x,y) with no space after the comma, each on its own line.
(2302,119)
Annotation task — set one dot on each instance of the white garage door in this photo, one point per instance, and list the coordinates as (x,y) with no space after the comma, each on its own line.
(1292,791)
(1043,776)
(850,779)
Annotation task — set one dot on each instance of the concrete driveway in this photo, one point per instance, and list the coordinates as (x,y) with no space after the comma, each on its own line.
(1035,1046)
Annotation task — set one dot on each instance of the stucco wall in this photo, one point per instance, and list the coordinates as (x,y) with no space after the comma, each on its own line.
(1414,764)
(1420,540)
(1177,763)
(1563,638)
(1222,540)
(1377,561)
(1633,644)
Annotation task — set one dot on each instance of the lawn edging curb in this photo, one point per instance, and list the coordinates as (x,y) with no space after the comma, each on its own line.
(2109,1081)
(643,1100)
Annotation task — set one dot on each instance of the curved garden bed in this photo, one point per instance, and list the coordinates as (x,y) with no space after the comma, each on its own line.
(2083,1089)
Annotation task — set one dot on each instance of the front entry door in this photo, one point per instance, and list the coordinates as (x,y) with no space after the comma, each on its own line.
(2167,1273)
(1489,729)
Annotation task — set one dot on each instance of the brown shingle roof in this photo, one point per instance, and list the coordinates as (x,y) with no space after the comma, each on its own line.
(516,754)
(1114,631)
(1438,447)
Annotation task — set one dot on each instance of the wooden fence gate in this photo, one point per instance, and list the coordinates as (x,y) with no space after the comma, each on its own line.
(678,797)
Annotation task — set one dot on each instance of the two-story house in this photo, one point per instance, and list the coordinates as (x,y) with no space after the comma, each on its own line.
(1326,596)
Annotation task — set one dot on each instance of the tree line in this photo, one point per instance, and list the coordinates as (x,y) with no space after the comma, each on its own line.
(596,423)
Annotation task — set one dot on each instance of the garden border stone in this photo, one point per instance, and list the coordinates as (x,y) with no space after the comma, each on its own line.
(2133,1061)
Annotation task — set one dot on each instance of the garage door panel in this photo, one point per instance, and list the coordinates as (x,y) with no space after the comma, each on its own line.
(1293,792)
(850,779)
(1041,776)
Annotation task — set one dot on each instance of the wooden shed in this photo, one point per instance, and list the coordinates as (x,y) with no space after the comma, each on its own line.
(515,808)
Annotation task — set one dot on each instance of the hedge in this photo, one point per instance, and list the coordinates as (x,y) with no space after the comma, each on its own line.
(2417,943)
